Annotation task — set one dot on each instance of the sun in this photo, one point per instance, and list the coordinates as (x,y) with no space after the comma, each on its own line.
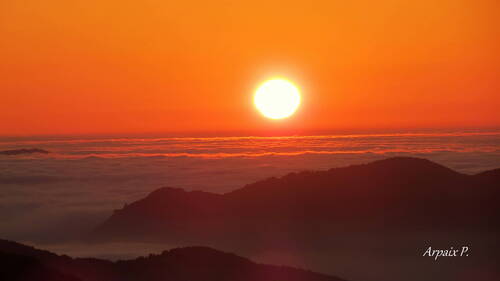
(277,98)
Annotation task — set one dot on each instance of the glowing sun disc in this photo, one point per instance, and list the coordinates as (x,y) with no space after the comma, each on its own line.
(277,98)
